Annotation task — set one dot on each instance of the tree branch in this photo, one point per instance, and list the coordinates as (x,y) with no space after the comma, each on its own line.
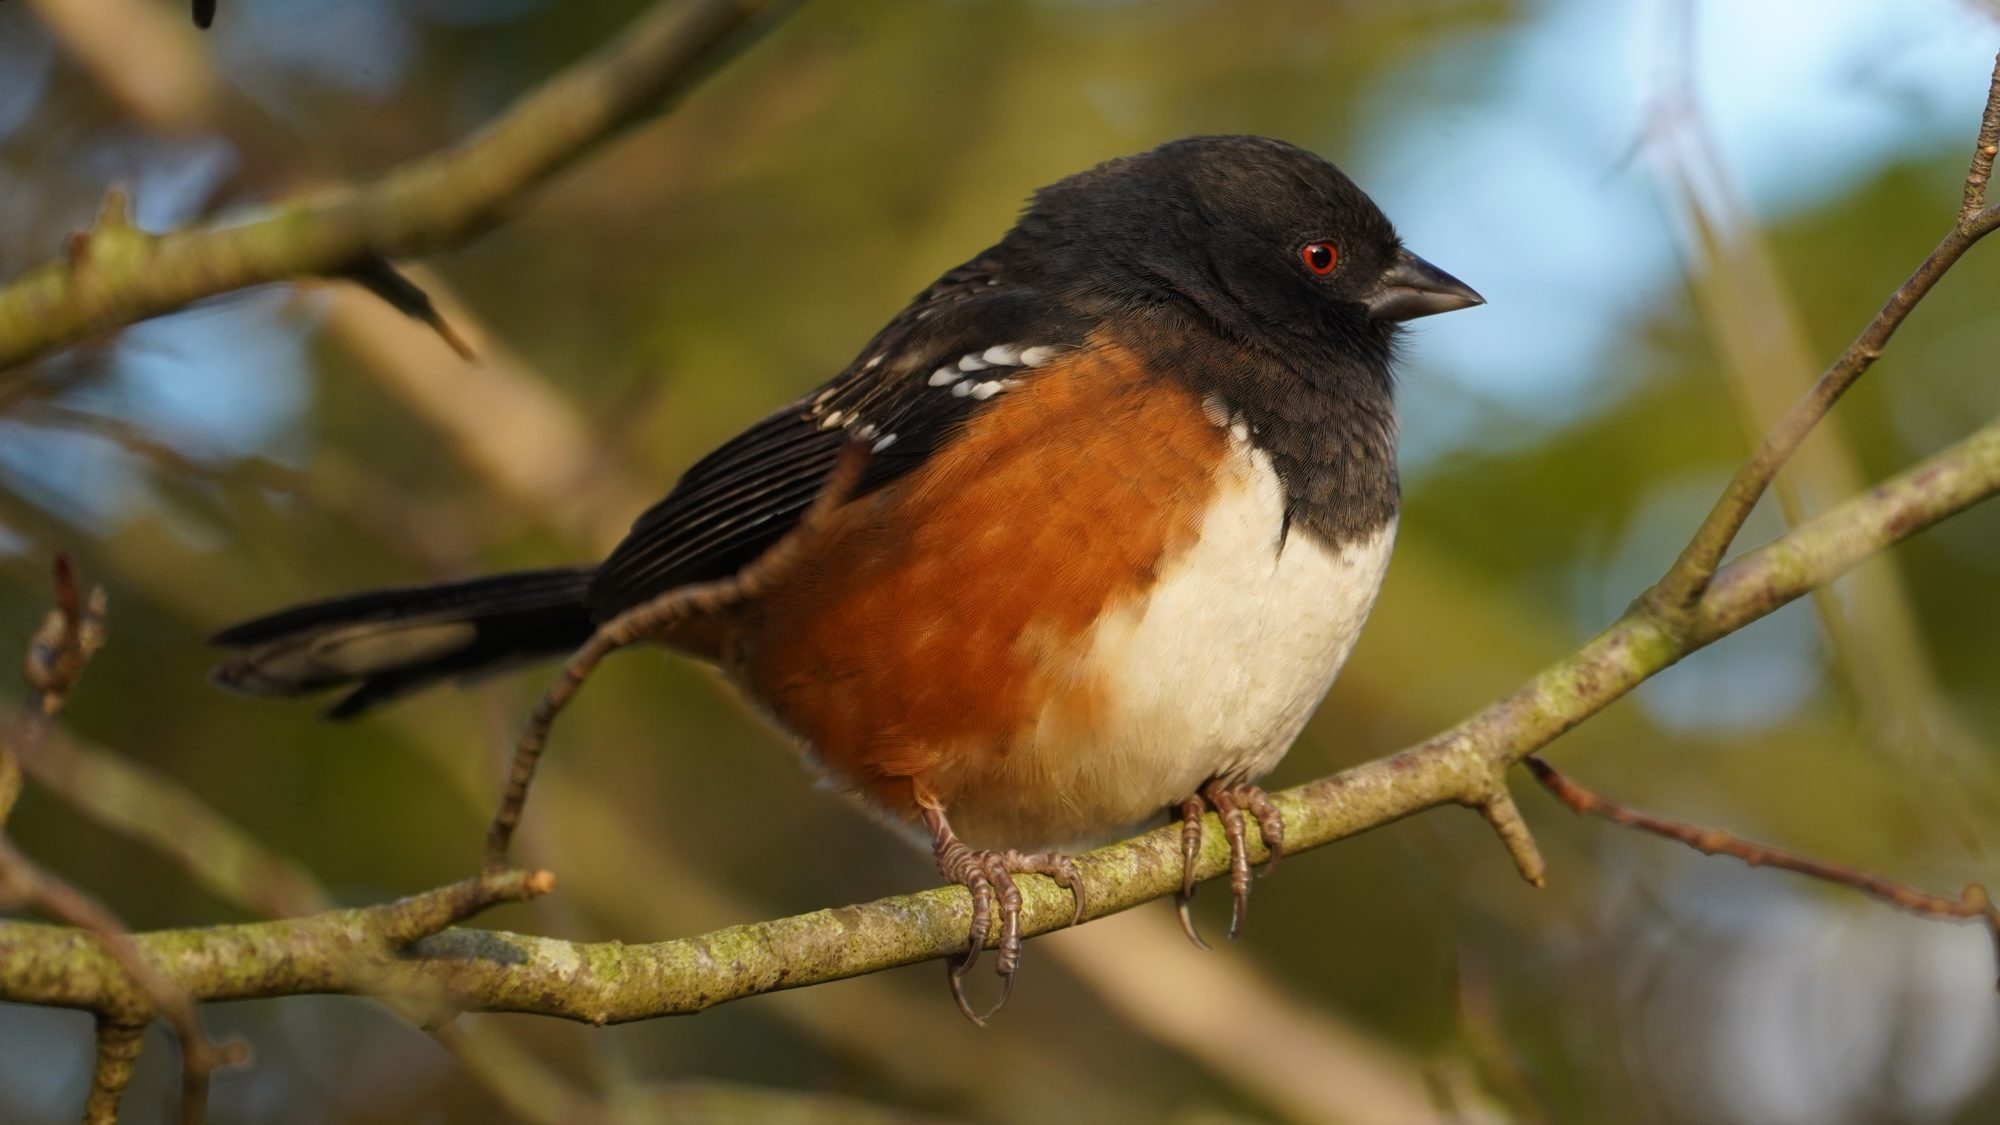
(614,982)
(1972,904)
(116,274)
(1690,574)
(158,812)
(151,991)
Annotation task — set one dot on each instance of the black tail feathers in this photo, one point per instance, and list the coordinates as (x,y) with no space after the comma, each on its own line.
(392,642)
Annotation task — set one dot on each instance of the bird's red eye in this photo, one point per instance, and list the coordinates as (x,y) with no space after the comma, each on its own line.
(1320,257)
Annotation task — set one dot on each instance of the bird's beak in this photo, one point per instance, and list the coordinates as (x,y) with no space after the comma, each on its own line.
(1412,287)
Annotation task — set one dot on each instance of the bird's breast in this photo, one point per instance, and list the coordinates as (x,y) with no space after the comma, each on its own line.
(1211,672)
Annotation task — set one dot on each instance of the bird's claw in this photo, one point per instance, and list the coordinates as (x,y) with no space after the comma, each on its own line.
(989,876)
(1230,801)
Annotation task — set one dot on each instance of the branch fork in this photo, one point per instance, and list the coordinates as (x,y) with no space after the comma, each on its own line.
(1673,600)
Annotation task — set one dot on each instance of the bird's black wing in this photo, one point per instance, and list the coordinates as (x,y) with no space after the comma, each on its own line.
(962,343)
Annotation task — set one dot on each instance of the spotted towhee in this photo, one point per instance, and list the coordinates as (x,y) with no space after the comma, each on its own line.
(1131,494)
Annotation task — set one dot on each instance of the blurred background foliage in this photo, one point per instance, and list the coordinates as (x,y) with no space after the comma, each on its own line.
(1677,211)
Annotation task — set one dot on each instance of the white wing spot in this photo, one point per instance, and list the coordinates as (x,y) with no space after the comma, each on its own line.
(864,431)
(986,390)
(972,363)
(872,364)
(943,375)
(887,441)
(1035,357)
(961,388)
(831,419)
(1003,355)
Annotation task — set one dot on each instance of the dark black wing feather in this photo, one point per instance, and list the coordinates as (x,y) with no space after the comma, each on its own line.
(739,500)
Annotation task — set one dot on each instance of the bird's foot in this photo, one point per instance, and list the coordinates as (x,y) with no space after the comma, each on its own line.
(989,875)
(1230,801)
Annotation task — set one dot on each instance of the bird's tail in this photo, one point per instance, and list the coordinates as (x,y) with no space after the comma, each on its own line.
(391,642)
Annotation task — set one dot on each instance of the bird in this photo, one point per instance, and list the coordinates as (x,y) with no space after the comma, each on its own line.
(1129,492)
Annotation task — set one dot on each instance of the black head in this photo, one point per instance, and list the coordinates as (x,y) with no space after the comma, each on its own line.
(1262,236)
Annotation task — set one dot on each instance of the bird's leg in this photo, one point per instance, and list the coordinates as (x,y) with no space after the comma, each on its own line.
(989,875)
(1230,801)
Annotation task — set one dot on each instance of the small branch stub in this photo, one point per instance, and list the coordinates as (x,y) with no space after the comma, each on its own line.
(1500,811)
(117,1050)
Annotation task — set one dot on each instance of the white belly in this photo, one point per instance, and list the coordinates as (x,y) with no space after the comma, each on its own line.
(1214,673)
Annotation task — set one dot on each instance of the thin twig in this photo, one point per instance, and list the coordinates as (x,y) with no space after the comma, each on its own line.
(649,619)
(157,452)
(1983,152)
(1675,595)
(21,881)
(69,637)
(70,634)
(1972,905)
(418,916)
